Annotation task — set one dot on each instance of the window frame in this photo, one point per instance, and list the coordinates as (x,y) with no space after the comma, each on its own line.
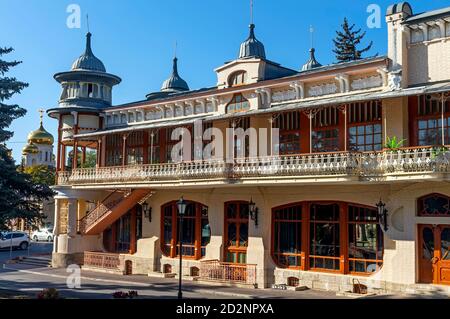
(234,102)
(344,240)
(235,75)
(420,205)
(197,247)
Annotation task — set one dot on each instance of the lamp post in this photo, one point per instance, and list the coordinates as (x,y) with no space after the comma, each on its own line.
(253,211)
(382,215)
(181,204)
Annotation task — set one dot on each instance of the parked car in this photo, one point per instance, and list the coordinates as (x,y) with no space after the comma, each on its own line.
(15,239)
(43,234)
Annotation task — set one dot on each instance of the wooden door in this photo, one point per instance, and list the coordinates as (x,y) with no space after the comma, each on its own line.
(426,253)
(442,259)
(434,254)
(236,232)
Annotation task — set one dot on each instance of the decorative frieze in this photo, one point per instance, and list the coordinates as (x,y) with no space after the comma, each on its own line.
(323,89)
(367,82)
(281,96)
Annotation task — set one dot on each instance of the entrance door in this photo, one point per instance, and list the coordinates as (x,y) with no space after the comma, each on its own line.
(434,255)
(443,260)
(236,232)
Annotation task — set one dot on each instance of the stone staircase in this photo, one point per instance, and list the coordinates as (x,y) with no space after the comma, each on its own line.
(37,261)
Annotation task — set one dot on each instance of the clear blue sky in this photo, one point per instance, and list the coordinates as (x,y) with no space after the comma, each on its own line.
(135,40)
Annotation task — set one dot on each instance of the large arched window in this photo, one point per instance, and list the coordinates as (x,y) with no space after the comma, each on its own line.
(436,205)
(327,236)
(238,104)
(195,234)
(237,78)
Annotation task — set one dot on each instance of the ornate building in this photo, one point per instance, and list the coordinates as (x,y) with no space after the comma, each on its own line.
(324,197)
(39,148)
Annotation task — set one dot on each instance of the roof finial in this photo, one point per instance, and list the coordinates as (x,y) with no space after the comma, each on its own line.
(311,30)
(41,112)
(175,49)
(87,19)
(251,11)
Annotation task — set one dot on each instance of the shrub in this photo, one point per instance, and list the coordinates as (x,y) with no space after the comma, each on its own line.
(124,295)
(48,293)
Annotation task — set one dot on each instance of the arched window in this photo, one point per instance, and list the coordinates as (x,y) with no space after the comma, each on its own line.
(329,236)
(195,234)
(434,205)
(238,104)
(237,78)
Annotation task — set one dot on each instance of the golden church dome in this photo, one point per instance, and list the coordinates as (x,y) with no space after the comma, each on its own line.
(41,136)
(30,148)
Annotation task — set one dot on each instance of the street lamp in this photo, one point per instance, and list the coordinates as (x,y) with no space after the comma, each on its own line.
(382,215)
(253,211)
(181,204)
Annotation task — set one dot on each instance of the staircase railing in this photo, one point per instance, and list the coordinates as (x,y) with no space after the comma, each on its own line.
(99,211)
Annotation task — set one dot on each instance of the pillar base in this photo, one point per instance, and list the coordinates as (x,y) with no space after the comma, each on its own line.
(60,260)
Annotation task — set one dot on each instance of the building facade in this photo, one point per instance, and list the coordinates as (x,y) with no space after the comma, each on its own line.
(289,177)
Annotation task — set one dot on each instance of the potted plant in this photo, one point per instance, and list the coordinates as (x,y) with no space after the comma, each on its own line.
(393,143)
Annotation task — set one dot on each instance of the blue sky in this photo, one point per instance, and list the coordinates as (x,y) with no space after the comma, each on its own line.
(135,40)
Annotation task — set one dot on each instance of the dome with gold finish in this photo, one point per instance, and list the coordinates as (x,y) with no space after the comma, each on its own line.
(30,148)
(41,136)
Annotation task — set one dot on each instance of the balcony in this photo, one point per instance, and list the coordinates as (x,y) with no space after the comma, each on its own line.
(406,163)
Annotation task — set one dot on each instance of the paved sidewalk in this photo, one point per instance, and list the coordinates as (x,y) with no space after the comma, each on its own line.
(100,285)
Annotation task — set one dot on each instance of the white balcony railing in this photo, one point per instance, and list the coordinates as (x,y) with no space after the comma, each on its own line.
(357,164)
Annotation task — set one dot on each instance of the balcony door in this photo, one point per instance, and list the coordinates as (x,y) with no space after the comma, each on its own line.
(236,232)
(434,255)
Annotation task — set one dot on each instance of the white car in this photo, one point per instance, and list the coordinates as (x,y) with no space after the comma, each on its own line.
(15,239)
(43,234)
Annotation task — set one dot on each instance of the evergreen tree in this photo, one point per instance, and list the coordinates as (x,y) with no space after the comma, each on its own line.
(346,43)
(20,197)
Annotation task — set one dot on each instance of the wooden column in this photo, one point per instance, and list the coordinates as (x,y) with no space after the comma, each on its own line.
(145,147)
(124,150)
(305,146)
(99,153)
(198,227)
(343,231)
(133,238)
(58,151)
(75,154)
(413,103)
(63,159)
(83,156)
(305,236)
(343,127)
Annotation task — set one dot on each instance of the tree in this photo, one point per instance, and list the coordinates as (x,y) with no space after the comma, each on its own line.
(20,197)
(42,174)
(347,41)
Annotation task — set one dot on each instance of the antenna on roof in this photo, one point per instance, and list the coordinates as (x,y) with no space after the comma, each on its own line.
(311,30)
(87,19)
(251,11)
